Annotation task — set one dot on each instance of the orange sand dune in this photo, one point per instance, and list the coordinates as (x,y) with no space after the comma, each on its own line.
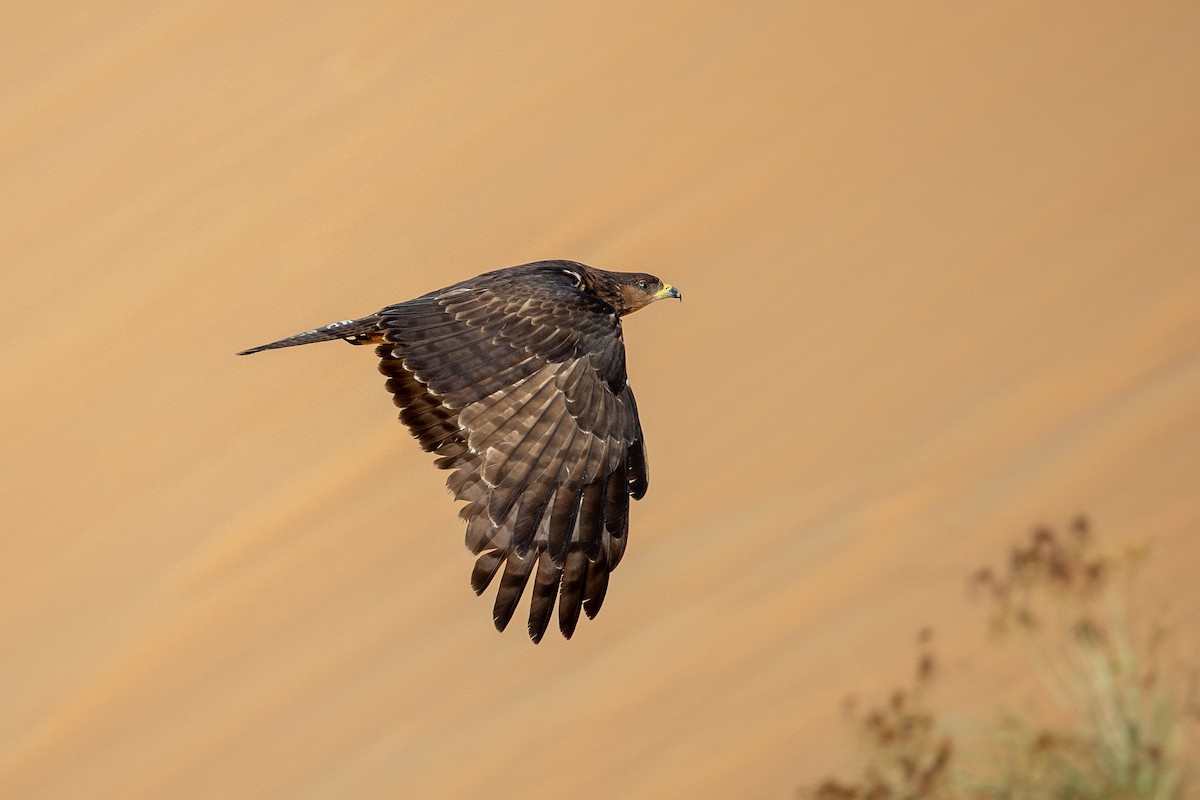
(942,270)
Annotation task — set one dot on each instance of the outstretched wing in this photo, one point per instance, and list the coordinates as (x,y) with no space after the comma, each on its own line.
(516,380)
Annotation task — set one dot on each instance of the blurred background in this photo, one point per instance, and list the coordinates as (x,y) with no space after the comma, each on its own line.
(941,264)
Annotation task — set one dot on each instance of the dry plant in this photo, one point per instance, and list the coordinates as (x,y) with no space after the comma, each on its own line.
(903,754)
(1132,715)
(1133,719)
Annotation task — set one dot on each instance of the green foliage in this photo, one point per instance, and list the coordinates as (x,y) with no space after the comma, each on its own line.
(1133,719)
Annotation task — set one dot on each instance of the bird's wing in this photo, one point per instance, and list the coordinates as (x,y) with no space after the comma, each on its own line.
(518,385)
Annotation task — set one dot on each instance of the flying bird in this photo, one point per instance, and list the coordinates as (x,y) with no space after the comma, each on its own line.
(515,380)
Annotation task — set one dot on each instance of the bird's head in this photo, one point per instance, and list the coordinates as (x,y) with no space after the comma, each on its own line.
(636,290)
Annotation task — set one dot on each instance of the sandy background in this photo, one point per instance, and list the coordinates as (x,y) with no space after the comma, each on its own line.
(941,264)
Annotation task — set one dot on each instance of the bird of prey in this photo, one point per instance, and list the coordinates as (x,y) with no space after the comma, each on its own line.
(515,380)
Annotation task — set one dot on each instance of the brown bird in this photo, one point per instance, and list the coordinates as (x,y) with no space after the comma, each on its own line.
(516,380)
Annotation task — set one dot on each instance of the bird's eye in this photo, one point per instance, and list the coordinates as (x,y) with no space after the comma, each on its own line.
(643,285)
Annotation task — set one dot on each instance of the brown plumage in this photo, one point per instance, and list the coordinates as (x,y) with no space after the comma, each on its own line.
(515,380)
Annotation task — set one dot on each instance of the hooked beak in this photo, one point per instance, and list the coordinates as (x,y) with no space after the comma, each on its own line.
(668,290)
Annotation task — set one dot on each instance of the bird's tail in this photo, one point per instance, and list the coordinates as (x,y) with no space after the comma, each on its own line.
(355,331)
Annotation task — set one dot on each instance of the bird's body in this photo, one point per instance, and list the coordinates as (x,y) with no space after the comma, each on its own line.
(516,380)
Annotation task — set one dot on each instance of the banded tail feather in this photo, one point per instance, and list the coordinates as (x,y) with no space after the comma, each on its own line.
(355,331)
